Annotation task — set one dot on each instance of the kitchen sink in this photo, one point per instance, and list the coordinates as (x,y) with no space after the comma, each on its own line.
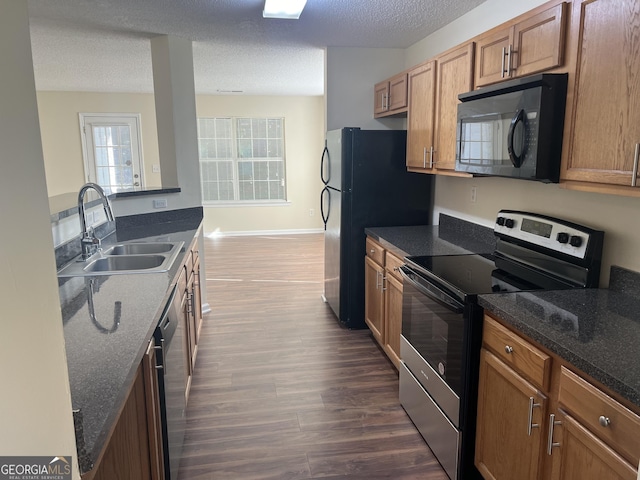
(126,262)
(138,248)
(126,258)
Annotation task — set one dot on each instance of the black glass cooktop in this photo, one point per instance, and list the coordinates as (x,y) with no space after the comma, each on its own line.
(471,274)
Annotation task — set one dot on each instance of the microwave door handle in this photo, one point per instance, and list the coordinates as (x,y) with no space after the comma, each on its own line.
(516,160)
(444,299)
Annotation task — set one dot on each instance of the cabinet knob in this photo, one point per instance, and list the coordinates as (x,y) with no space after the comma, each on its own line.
(604,421)
(508,349)
(372,251)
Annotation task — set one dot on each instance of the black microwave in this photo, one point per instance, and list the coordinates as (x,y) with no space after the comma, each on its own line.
(513,129)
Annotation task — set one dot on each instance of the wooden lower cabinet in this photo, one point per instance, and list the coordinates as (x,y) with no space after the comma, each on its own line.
(134,451)
(383,298)
(374,298)
(392,318)
(568,429)
(507,445)
(580,455)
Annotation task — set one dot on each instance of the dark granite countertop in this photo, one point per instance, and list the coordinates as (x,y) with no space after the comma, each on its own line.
(596,330)
(102,353)
(452,237)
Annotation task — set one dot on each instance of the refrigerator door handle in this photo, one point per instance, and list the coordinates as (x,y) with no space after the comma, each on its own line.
(325,215)
(325,153)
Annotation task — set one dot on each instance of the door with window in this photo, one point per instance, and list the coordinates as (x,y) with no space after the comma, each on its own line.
(112,151)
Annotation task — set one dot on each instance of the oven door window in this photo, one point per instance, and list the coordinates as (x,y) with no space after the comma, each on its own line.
(435,330)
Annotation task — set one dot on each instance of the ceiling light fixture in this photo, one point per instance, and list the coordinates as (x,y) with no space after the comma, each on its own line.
(283,8)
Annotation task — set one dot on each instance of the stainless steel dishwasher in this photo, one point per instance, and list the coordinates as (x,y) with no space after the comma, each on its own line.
(172,378)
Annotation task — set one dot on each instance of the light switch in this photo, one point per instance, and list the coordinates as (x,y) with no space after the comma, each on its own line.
(155,168)
(160,203)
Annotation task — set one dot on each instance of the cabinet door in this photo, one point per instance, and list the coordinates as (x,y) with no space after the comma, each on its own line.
(455,76)
(127,455)
(538,42)
(197,297)
(420,117)
(154,420)
(490,64)
(393,318)
(506,447)
(374,298)
(398,92)
(582,456)
(605,117)
(381,97)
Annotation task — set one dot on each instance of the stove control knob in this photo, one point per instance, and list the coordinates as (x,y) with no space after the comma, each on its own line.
(509,222)
(563,237)
(575,241)
(500,221)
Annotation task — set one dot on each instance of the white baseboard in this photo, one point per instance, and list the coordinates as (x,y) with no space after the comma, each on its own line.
(262,233)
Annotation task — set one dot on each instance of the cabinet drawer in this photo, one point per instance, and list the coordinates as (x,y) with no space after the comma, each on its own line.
(393,265)
(589,404)
(375,251)
(516,352)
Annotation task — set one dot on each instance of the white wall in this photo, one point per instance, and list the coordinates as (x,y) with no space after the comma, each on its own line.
(304,138)
(60,131)
(35,412)
(351,74)
(613,214)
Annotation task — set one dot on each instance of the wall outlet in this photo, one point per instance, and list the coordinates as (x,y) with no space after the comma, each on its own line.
(155,168)
(474,194)
(312,212)
(160,203)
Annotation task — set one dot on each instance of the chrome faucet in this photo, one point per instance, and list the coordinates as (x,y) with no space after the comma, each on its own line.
(89,242)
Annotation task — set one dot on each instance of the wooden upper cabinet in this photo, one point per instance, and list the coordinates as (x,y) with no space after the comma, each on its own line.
(604,119)
(454,76)
(390,96)
(380,96)
(533,44)
(420,118)
(491,52)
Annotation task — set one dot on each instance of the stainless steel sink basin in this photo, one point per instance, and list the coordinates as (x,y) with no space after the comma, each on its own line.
(126,258)
(138,248)
(125,262)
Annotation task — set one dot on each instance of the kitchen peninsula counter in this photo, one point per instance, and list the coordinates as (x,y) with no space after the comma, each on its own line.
(108,322)
(596,330)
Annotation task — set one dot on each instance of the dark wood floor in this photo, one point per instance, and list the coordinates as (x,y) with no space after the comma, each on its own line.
(280,390)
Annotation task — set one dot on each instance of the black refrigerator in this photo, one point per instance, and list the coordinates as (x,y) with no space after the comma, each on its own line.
(366,185)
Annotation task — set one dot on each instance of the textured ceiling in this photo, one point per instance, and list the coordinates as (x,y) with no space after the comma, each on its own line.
(103,45)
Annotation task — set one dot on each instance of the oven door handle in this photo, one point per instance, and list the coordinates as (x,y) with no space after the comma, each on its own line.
(434,293)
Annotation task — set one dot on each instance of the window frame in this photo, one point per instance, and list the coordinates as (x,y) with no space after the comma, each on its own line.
(235,160)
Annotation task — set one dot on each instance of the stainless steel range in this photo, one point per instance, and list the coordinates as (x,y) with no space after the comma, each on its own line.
(442,323)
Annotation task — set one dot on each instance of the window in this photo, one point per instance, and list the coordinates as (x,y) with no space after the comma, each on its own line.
(112,153)
(242,160)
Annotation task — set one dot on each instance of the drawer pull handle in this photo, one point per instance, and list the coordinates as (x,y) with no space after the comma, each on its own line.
(604,421)
(550,443)
(508,349)
(532,425)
